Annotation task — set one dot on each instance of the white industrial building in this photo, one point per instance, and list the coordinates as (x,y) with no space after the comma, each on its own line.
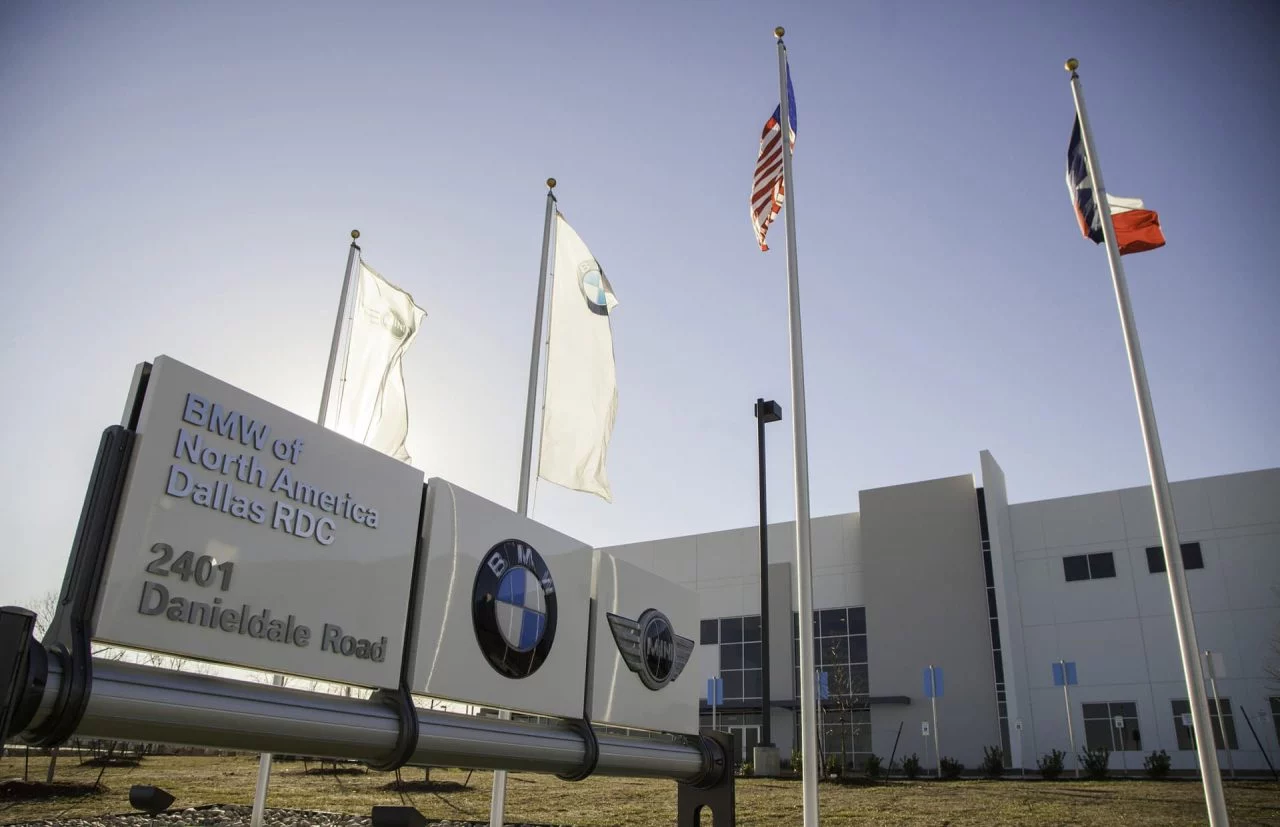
(949,573)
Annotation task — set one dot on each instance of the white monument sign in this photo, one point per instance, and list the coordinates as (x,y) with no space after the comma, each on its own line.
(250,536)
(503,609)
(645,635)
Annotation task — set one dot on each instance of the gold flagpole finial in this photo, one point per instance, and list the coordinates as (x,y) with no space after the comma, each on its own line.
(1072,64)
(355,234)
(551,183)
(779,32)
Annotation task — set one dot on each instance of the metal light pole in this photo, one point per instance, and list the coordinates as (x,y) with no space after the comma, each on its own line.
(765,412)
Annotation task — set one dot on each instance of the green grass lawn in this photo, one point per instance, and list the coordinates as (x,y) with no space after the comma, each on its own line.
(629,802)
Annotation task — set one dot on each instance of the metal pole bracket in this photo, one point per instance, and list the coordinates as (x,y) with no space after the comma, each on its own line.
(407,737)
(592,755)
(70,634)
(713,789)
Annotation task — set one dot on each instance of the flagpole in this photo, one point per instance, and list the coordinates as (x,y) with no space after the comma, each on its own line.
(498,798)
(264,759)
(526,454)
(804,561)
(1183,619)
(337,330)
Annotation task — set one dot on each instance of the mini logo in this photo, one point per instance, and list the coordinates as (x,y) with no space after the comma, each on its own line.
(595,287)
(650,648)
(513,609)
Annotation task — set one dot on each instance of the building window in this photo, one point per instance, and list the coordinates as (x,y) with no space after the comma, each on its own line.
(1089,566)
(840,650)
(745,727)
(1275,716)
(1186,736)
(738,639)
(1100,729)
(1191,558)
(993,614)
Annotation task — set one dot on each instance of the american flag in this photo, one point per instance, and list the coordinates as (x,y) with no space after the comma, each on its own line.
(766,189)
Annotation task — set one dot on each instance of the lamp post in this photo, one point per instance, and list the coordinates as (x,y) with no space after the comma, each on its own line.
(765,412)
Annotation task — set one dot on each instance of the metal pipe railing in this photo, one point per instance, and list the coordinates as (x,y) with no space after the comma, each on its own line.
(140,703)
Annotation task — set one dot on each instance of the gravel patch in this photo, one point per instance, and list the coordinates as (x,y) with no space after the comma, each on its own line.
(239,815)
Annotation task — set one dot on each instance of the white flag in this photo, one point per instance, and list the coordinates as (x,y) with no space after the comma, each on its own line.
(372,407)
(582,387)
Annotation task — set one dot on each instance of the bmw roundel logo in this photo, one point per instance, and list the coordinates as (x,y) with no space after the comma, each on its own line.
(650,647)
(513,609)
(594,286)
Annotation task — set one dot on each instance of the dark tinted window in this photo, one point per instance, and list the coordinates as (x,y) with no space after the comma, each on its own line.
(982,515)
(710,631)
(1102,564)
(857,649)
(835,650)
(858,679)
(832,622)
(999,661)
(1075,567)
(731,630)
(1192,558)
(751,627)
(858,621)
(1186,736)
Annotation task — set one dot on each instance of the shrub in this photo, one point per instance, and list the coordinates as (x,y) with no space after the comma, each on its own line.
(992,762)
(1051,764)
(1094,762)
(747,770)
(951,768)
(797,761)
(1157,764)
(872,766)
(911,766)
(834,765)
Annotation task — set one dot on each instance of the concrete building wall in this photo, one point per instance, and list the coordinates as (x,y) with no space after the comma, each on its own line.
(1119,630)
(1009,604)
(928,606)
(912,557)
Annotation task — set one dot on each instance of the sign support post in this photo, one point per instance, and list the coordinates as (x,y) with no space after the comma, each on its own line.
(1214,662)
(1124,760)
(933,690)
(1022,757)
(1064,674)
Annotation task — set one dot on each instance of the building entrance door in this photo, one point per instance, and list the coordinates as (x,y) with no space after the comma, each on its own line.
(746,738)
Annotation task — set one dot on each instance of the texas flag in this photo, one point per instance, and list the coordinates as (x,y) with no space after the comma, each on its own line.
(1137,229)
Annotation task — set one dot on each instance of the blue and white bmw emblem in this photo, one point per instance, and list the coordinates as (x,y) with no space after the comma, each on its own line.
(595,287)
(513,609)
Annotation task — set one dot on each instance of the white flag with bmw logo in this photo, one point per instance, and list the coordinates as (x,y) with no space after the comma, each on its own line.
(582,388)
(371,403)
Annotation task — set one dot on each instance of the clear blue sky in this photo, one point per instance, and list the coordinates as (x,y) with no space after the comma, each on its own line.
(180,178)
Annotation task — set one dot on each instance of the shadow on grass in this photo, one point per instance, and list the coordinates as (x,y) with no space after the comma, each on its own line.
(113,761)
(17,790)
(322,770)
(403,786)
